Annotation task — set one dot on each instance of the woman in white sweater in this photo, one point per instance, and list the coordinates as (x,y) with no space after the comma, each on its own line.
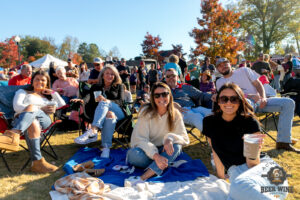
(32,108)
(158,135)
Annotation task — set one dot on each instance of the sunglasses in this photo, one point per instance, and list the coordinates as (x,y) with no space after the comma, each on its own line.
(171,76)
(96,64)
(163,94)
(232,99)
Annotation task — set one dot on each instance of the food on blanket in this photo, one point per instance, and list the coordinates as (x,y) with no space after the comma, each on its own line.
(119,167)
(94,172)
(82,166)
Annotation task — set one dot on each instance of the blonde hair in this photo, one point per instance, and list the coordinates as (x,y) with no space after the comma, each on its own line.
(117,79)
(173,58)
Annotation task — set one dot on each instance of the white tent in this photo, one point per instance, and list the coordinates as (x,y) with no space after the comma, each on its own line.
(45,61)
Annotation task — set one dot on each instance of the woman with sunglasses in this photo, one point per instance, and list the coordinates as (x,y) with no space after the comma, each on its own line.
(233,117)
(158,135)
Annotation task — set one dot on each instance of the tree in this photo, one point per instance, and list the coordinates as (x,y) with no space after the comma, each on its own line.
(68,47)
(151,45)
(267,20)
(289,49)
(31,46)
(215,37)
(9,53)
(88,52)
(114,52)
(294,30)
(177,48)
(76,59)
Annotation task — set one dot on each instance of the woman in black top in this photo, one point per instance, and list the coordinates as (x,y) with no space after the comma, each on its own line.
(233,117)
(105,109)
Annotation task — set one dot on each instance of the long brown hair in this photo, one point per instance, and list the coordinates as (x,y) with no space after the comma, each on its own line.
(42,73)
(245,109)
(151,108)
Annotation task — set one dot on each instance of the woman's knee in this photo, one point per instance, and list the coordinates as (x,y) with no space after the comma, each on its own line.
(29,108)
(110,115)
(137,157)
(34,130)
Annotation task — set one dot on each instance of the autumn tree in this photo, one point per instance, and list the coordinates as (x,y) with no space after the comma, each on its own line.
(76,58)
(68,47)
(268,20)
(151,45)
(215,37)
(9,53)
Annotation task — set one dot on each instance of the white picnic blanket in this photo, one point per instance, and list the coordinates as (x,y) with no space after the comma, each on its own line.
(203,188)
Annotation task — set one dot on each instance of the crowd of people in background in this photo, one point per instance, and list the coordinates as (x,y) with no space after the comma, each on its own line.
(168,96)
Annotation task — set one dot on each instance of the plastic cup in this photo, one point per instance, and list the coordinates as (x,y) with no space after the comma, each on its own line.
(97,94)
(251,146)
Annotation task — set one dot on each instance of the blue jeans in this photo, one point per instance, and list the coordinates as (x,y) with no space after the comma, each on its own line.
(107,125)
(246,183)
(194,116)
(22,123)
(25,119)
(286,107)
(137,157)
(276,82)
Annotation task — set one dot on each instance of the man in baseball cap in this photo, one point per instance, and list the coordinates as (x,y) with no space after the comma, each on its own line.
(98,65)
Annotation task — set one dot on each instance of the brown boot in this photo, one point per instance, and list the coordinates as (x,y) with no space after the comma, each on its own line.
(9,141)
(286,146)
(42,166)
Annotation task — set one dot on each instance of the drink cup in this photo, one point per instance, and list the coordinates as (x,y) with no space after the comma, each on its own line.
(251,146)
(51,103)
(97,94)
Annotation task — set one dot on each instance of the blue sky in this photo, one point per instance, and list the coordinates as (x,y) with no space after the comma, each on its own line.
(108,23)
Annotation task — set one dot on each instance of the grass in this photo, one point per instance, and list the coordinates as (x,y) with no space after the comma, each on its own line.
(26,185)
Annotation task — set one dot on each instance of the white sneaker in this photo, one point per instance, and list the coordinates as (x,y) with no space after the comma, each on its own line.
(133,181)
(105,153)
(86,138)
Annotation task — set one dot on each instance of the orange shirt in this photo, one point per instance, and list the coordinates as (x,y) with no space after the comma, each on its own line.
(19,80)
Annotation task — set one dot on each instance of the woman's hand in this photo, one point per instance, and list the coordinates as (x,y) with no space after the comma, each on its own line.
(47,91)
(168,147)
(161,162)
(49,109)
(100,98)
(77,100)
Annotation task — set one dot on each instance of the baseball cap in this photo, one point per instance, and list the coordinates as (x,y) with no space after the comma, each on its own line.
(221,60)
(69,60)
(243,60)
(261,55)
(98,60)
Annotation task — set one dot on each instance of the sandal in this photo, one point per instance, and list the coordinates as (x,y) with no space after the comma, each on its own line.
(82,166)
(94,172)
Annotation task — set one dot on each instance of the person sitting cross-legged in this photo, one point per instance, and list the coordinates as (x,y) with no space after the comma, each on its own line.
(193,104)
(158,135)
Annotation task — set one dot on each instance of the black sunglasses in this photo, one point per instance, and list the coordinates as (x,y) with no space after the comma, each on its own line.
(96,64)
(171,76)
(232,99)
(163,94)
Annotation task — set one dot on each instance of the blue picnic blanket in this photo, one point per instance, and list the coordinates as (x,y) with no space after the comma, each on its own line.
(185,172)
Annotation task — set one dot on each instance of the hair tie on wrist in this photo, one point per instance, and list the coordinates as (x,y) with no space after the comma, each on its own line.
(52,92)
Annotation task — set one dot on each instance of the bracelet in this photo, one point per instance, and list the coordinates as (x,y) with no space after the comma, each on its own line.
(53,91)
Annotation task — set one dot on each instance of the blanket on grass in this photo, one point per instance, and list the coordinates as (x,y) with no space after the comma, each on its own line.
(203,188)
(185,172)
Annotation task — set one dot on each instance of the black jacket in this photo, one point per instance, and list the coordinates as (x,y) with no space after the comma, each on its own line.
(115,94)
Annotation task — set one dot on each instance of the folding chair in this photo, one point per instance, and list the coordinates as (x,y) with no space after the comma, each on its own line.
(45,137)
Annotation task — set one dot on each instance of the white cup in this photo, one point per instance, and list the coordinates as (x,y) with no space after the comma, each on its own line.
(251,146)
(97,94)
